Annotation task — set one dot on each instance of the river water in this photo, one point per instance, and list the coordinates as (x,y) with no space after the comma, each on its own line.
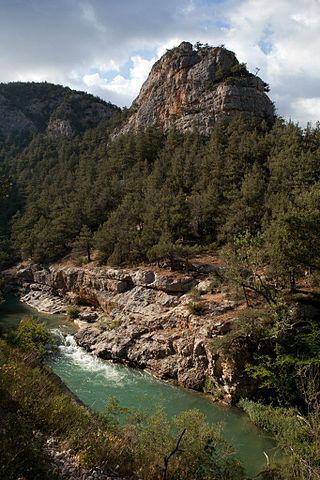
(94,381)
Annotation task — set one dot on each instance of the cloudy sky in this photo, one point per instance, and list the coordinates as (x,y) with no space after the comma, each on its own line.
(107,47)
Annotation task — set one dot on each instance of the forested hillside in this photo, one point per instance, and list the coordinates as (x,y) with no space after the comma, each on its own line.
(151,196)
(249,190)
(30,108)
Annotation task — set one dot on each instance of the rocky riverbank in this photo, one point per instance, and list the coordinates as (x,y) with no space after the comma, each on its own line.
(145,318)
(65,463)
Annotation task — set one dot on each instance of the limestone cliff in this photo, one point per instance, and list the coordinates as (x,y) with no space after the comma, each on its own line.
(192,88)
(142,317)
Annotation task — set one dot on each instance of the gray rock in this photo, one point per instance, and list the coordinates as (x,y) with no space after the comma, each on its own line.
(193,379)
(89,317)
(145,321)
(222,307)
(58,128)
(191,89)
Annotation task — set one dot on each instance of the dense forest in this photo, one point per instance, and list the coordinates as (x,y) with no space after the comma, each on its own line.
(147,197)
(248,191)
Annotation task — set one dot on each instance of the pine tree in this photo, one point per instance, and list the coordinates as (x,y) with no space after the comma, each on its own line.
(83,243)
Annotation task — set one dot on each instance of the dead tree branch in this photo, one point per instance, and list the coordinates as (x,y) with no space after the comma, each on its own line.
(174,451)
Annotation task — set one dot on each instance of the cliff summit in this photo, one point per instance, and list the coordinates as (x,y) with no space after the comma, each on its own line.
(192,87)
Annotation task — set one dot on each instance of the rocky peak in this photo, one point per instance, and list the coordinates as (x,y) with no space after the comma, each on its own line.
(191,88)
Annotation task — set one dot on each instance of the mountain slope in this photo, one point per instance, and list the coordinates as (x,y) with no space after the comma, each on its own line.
(29,108)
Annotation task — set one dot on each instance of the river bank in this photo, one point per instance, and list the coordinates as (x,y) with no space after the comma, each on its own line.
(94,381)
(145,318)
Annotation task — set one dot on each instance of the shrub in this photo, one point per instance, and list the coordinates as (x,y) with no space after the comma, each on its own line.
(250,326)
(215,282)
(31,335)
(213,389)
(297,436)
(286,371)
(202,453)
(115,323)
(195,293)
(196,308)
(33,407)
(73,312)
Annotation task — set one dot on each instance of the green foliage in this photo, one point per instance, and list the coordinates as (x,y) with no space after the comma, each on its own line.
(240,69)
(248,331)
(166,250)
(203,454)
(73,312)
(298,437)
(83,243)
(5,184)
(294,235)
(211,388)
(235,71)
(195,293)
(201,46)
(220,74)
(215,282)
(274,420)
(151,197)
(115,323)
(245,266)
(295,355)
(31,335)
(32,406)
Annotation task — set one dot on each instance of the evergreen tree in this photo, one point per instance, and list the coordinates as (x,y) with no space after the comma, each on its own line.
(83,243)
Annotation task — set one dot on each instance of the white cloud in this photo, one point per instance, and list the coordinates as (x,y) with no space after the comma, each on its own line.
(306,110)
(87,44)
(290,66)
(121,86)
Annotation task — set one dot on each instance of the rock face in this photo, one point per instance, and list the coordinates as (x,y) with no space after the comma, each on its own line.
(141,317)
(28,108)
(192,88)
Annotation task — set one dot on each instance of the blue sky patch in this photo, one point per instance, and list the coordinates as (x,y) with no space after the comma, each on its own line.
(265,43)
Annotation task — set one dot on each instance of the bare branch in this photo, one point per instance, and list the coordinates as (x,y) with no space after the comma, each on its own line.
(174,451)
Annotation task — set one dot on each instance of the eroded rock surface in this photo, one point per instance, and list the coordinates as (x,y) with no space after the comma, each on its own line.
(190,89)
(141,318)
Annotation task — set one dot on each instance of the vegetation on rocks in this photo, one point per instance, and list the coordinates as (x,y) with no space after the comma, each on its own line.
(73,312)
(34,408)
(247,189)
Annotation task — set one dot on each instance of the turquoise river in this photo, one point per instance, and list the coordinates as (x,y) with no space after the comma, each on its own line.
(94,381)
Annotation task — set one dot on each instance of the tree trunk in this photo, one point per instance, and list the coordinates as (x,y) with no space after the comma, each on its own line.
(245,295)
(292,280)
